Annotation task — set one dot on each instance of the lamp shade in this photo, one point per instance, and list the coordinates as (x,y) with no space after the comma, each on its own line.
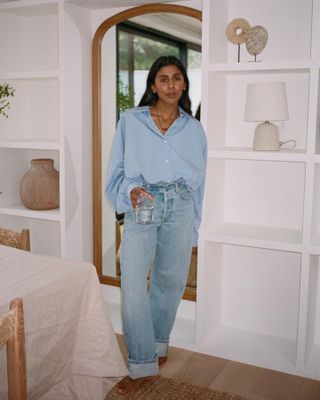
(266,101)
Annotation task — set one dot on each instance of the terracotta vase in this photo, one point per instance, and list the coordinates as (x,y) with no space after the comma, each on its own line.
(39,187)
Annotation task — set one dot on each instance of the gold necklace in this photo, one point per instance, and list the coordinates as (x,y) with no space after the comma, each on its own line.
(171,119)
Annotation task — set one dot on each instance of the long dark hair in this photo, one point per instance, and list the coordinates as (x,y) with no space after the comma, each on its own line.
(149,98)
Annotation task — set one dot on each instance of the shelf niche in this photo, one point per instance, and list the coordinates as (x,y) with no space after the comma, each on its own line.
(34,107)
(259,201)
(283,28)
(31,37)
(17,161)
(253,304)
(226,126)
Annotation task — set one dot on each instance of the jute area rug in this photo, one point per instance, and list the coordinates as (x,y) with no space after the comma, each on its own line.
(169,389)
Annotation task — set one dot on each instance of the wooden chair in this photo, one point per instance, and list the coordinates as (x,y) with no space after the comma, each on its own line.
(19,240)
(12,335)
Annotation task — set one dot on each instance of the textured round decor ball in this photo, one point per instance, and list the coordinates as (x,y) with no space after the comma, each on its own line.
(256,40)
(236,30)
(39,187)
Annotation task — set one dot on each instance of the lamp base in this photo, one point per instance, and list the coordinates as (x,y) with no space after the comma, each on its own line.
(266,137)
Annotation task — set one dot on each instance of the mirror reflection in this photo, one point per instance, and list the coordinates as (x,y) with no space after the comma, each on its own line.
(127,52)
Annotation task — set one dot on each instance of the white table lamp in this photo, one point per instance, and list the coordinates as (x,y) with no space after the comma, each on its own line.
(266,101)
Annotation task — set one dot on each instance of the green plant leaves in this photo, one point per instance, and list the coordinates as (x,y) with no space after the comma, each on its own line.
(5,91)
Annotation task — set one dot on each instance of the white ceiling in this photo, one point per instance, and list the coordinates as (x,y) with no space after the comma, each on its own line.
(96,4)
(180,26)
(116,3)
(107,3)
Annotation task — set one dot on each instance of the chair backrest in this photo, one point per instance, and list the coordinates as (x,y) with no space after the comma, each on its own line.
(19,240)
(12,335)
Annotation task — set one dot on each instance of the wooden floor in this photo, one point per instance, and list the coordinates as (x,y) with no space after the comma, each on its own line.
(252,383)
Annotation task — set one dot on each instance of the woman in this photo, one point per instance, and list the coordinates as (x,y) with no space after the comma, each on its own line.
(159,152)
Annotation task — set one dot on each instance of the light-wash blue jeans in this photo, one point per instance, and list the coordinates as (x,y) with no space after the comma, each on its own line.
(148,316)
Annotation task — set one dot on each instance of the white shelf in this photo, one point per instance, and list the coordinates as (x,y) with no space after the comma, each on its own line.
(27,9)
(20,211)
(30,144)
(33,44)
(34,74)
(34,112)
(225,124)
(257,236)
(255,203)
(256,349)
(252,297)
(288,25)
(32,60)
(288,66)
(246,153)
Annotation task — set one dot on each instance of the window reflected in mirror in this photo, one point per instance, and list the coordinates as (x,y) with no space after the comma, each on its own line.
(137,48)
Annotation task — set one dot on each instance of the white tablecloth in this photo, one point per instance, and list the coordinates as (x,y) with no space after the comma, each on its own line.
(71,348)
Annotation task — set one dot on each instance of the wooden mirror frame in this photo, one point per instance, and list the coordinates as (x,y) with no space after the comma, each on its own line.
(96,103)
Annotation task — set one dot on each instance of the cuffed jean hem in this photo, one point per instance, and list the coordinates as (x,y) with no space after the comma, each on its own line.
(161,348)
(142,369)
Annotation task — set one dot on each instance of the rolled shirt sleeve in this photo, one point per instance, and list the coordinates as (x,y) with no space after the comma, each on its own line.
(118,186)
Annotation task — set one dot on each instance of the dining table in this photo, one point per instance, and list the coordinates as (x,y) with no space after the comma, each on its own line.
(71,348)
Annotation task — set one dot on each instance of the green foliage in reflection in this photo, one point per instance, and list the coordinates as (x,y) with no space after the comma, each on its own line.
(194,59)
(125,96)
(145,50)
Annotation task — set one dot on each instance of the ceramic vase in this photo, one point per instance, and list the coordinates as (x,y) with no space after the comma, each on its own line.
(39,187)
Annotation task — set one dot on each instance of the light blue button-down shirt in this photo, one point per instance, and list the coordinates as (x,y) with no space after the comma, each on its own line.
(141,153)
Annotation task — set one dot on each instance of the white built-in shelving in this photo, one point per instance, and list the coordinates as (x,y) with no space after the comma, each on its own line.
(31,64)
(258,279)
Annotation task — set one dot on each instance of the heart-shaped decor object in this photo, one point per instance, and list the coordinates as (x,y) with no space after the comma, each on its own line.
(256,40)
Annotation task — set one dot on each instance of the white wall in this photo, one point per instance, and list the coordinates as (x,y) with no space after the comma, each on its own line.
(78,132)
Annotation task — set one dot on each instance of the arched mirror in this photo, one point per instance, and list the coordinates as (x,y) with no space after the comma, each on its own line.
(124,47)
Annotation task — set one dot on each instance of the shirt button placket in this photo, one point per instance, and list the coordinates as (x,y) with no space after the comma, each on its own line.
(165,141)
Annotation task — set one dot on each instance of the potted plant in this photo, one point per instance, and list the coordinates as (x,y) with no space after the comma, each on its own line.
(5,91)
